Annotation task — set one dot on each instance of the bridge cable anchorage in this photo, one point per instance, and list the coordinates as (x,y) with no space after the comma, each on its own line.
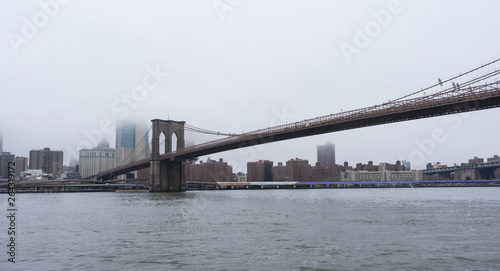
(133,151)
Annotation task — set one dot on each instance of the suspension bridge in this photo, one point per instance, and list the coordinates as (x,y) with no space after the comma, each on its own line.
(476,89)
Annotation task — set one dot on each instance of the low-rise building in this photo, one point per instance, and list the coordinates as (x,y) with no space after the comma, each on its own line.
(241,178)
(382,175)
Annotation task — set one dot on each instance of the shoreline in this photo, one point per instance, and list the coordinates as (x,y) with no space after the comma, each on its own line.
(257,186)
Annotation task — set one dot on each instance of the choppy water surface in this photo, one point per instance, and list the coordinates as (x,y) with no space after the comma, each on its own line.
(333,229)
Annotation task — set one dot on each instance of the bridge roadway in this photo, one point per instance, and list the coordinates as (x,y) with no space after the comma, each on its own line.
(456,100)
(480,166)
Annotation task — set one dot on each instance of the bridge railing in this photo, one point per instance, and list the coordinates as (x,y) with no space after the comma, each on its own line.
(452,95)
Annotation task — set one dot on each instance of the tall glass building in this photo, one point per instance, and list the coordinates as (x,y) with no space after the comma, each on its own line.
(131,143)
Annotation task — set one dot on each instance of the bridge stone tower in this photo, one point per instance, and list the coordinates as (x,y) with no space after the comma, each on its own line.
(167,175)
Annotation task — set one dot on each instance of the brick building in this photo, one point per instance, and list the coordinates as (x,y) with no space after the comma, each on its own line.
(210,171)
(50,162)
(260,171)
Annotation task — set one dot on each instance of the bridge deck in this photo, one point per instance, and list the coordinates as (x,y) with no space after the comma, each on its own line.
(455,100)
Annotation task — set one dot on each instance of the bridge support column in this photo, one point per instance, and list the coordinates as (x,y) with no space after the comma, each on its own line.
(167,175)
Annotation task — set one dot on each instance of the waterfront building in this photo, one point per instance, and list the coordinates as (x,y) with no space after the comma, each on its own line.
(383,174)
(194,172)
(298,170)
(5,159)
(210,171)
(255,171)
(241,178)
(50,162)
(326,155)
(268,171)
(366,167)
(260,171)
(220,171)
(279,173)
(371,167)
(131,145)
(97,159)
(326,174)
(495,158)
(476,160)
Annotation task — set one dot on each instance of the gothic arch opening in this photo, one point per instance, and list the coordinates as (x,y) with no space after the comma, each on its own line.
(162,142)
(174,142)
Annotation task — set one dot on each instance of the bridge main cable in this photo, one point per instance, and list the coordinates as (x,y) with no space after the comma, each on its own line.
(133,151)
(448,80)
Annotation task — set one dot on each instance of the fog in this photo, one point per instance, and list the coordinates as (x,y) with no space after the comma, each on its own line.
(71,69)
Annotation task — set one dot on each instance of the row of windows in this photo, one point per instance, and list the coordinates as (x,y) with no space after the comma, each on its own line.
(128,135)
(94,154)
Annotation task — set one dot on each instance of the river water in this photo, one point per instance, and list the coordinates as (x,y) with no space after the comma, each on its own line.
(311,229)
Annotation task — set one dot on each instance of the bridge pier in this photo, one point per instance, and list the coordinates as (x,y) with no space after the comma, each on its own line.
(167,175)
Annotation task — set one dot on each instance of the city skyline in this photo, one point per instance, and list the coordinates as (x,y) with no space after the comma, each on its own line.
(311,161)
(182,62)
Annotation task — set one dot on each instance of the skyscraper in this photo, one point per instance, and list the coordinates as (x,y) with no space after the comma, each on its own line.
(326,155)
(132,145)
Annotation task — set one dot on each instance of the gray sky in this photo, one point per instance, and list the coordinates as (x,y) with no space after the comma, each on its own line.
(70,69)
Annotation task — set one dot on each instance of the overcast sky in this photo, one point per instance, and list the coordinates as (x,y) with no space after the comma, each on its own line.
(70,69)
